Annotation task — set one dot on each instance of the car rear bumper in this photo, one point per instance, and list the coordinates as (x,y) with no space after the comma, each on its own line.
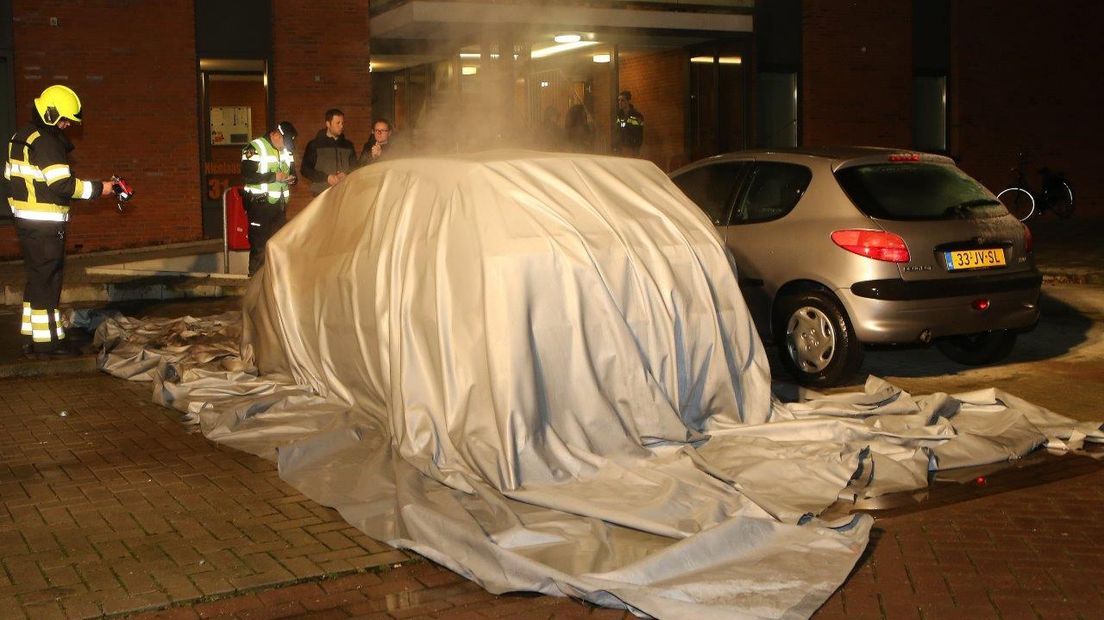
(896,289)
(897,312)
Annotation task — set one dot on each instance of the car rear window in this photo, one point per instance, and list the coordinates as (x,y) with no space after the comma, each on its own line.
(908,191)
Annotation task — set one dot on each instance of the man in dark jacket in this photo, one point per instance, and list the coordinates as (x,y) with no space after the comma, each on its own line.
(329,156)
(40,186)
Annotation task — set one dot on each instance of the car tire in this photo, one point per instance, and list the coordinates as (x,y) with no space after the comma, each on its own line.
(978,349)
(815,339)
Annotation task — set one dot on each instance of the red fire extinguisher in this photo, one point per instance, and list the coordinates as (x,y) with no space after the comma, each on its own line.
(237,222)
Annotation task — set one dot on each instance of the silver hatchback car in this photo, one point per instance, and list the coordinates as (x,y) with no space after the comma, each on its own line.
(837,248)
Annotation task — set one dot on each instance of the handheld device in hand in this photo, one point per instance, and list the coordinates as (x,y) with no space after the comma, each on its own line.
(123,191)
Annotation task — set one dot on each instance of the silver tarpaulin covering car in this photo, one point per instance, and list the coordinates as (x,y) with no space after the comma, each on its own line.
(538,371)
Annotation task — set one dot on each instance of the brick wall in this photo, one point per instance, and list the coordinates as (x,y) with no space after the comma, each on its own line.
(857,72)
(323,65)
(658,83)
(137,83)
(1025,78)
(1022,79)
(139,107)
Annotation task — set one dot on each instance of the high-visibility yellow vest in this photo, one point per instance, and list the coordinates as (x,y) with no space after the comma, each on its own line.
(269,160)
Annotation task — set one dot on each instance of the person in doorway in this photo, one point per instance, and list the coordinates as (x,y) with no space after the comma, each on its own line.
(579,129)
(40,186)
(329,156)
(268,172)
(630,126)
(379,145)
(551,136)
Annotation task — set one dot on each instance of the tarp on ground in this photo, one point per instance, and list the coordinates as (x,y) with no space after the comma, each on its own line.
(538,370)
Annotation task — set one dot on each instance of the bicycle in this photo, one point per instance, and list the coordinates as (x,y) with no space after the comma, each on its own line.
(1024,202)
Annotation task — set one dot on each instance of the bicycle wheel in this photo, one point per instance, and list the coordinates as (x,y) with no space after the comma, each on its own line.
(1018,201)
(1060,199)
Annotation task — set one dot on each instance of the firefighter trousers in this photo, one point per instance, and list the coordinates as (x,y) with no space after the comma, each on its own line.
(43,246)
(264,220)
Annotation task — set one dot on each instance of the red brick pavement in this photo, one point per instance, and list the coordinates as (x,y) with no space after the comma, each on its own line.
(116,508)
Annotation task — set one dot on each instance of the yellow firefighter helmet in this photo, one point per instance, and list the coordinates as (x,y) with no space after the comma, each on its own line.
(58,102)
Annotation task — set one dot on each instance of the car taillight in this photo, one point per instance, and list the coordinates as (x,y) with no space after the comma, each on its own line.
(876,244)
(904,157)
(1029,241)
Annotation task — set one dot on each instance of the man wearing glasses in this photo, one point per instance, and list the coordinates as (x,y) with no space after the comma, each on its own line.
(379,144)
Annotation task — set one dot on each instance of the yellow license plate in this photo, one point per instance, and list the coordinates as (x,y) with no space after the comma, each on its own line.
(959,260)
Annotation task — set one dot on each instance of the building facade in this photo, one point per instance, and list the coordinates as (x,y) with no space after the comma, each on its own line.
(172,89)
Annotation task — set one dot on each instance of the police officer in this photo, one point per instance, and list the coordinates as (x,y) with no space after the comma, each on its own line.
(40,186)
(268,170)
(630,126)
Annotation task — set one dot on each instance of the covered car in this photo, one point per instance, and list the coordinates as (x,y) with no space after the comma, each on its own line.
(541,335)
(537,371)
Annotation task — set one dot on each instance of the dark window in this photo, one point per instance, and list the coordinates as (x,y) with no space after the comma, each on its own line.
(710,187)
(929,124)
(773,192)
(917,192)
(931,66)
(777,117)
(778,30)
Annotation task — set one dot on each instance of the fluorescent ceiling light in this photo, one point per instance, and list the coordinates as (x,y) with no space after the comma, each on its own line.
(724,60)
(469,70)
(601,58)
(473,55)
(563,47)
(566,37)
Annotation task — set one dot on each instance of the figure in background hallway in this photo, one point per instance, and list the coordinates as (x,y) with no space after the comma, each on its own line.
(579,129)
(40,186)
(551,135)
(629,135)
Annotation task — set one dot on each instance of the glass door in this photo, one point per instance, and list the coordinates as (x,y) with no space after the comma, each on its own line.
(717,114)
(234,111)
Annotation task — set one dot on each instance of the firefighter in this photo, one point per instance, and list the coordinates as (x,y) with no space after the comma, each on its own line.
(268,170)
(40,186)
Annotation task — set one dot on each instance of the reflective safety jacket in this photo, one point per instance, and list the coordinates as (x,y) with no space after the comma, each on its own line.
(259,164)
(40,182)
(630,127)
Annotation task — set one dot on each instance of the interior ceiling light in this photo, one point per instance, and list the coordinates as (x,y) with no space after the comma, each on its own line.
(724,60)
(473,55)
(562,47)
(469,70)
(601,58)
(567,37)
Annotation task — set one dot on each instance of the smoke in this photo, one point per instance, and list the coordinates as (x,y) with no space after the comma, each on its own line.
(495,96)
